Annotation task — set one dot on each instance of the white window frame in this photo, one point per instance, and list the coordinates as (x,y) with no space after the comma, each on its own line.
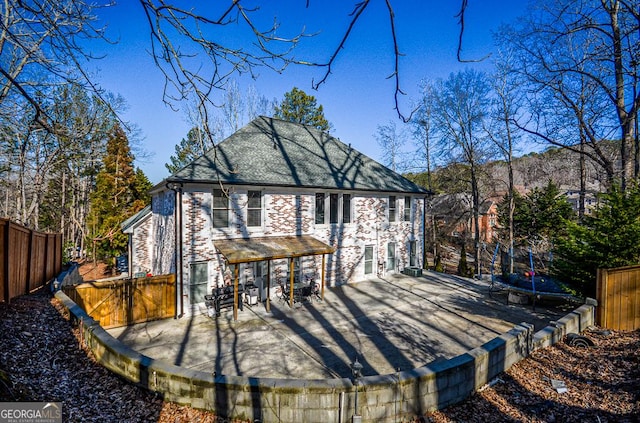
(333,215)
(224,196)
(261,208)
(348,214)
(334,208)
(371,261)
(324,208)
(392,246)
(196,291)
(413,253)
(407,209)
(392,212)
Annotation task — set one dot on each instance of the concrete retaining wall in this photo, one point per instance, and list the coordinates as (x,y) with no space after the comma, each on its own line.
(387,398)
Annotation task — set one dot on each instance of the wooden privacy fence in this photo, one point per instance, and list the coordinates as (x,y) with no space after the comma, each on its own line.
(123,302)
(618,295)
(28,259)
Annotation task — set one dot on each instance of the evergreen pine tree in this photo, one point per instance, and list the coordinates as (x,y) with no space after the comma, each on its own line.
(120,192)
(609,237)
(189,149)
(299,107)
(463,267)
(438,264)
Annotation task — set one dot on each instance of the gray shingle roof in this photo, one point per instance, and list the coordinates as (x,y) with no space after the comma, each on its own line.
(270,151)
(137,217)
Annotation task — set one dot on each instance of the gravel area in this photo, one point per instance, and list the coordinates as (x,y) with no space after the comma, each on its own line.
(41,360)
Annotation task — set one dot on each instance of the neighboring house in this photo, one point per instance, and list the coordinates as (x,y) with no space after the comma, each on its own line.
(277,199)
(453,215)
(590,200)
(488,220)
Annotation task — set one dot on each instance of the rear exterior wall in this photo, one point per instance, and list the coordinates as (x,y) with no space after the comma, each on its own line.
(285,212)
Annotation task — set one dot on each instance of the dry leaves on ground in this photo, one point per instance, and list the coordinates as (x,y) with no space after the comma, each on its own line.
(602,385)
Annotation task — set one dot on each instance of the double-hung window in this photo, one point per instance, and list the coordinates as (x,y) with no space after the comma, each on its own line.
(392,208)
(320,208)
(407,209)
(338,205)
(220,209)
(333,208)
(254,208)
(346,208)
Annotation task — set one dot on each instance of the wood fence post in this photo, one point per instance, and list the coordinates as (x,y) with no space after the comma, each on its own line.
(5,259)
(27,286)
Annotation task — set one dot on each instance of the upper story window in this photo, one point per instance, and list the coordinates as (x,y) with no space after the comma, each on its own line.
(220,209)
(407,209)
(320,208)
(338,205)
(333,208)
(392,208)
(254,208)
(346,208)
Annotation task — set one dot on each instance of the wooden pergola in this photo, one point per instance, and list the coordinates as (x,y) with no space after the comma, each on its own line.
(237,251)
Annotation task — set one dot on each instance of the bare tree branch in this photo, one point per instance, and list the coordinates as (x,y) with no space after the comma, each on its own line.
(460,16)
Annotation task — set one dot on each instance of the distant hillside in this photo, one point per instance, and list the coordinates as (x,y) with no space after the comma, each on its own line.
(535,169)
(530,171)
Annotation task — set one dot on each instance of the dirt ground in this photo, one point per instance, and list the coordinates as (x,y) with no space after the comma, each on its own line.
(41,360)
(91,271)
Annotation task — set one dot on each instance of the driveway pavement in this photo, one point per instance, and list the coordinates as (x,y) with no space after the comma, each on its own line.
(391,324)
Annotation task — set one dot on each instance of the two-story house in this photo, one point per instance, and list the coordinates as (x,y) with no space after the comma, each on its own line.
(276,202)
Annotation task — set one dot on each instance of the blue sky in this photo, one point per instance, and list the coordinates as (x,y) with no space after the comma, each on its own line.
(356,98)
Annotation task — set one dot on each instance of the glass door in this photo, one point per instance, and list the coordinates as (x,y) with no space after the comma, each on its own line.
(391,257)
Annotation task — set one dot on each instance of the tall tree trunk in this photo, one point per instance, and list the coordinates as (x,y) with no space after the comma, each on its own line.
(475,195)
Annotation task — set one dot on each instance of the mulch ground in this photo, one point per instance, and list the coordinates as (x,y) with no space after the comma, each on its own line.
(41,359)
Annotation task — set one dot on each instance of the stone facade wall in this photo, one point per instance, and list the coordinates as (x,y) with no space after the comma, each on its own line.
(162,240)
(142,249)
(387,398)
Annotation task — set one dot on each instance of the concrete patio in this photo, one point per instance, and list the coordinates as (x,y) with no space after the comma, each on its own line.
(389,325)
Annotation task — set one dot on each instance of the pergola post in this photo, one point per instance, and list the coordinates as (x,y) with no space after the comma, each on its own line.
(268,304)
(236,273)
(291,282)
(322,277)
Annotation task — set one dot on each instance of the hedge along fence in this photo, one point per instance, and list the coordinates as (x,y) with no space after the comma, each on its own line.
(28,259)
(385,398)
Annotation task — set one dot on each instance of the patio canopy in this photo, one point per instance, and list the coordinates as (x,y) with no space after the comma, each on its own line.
(270,248)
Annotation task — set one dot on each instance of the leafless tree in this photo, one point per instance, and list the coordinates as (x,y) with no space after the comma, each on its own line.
(423,134)
(583,55)
(506,108)
(391,139)
(41,43)
(462,103)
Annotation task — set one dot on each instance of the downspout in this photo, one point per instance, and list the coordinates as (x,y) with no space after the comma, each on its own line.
(425,264)
(177,188)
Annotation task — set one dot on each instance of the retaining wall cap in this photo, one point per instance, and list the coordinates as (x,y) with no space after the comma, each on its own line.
(379,379)
(73,308)
(527,326)
(493,344)
(457,361)
(544,332)
(417,373)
